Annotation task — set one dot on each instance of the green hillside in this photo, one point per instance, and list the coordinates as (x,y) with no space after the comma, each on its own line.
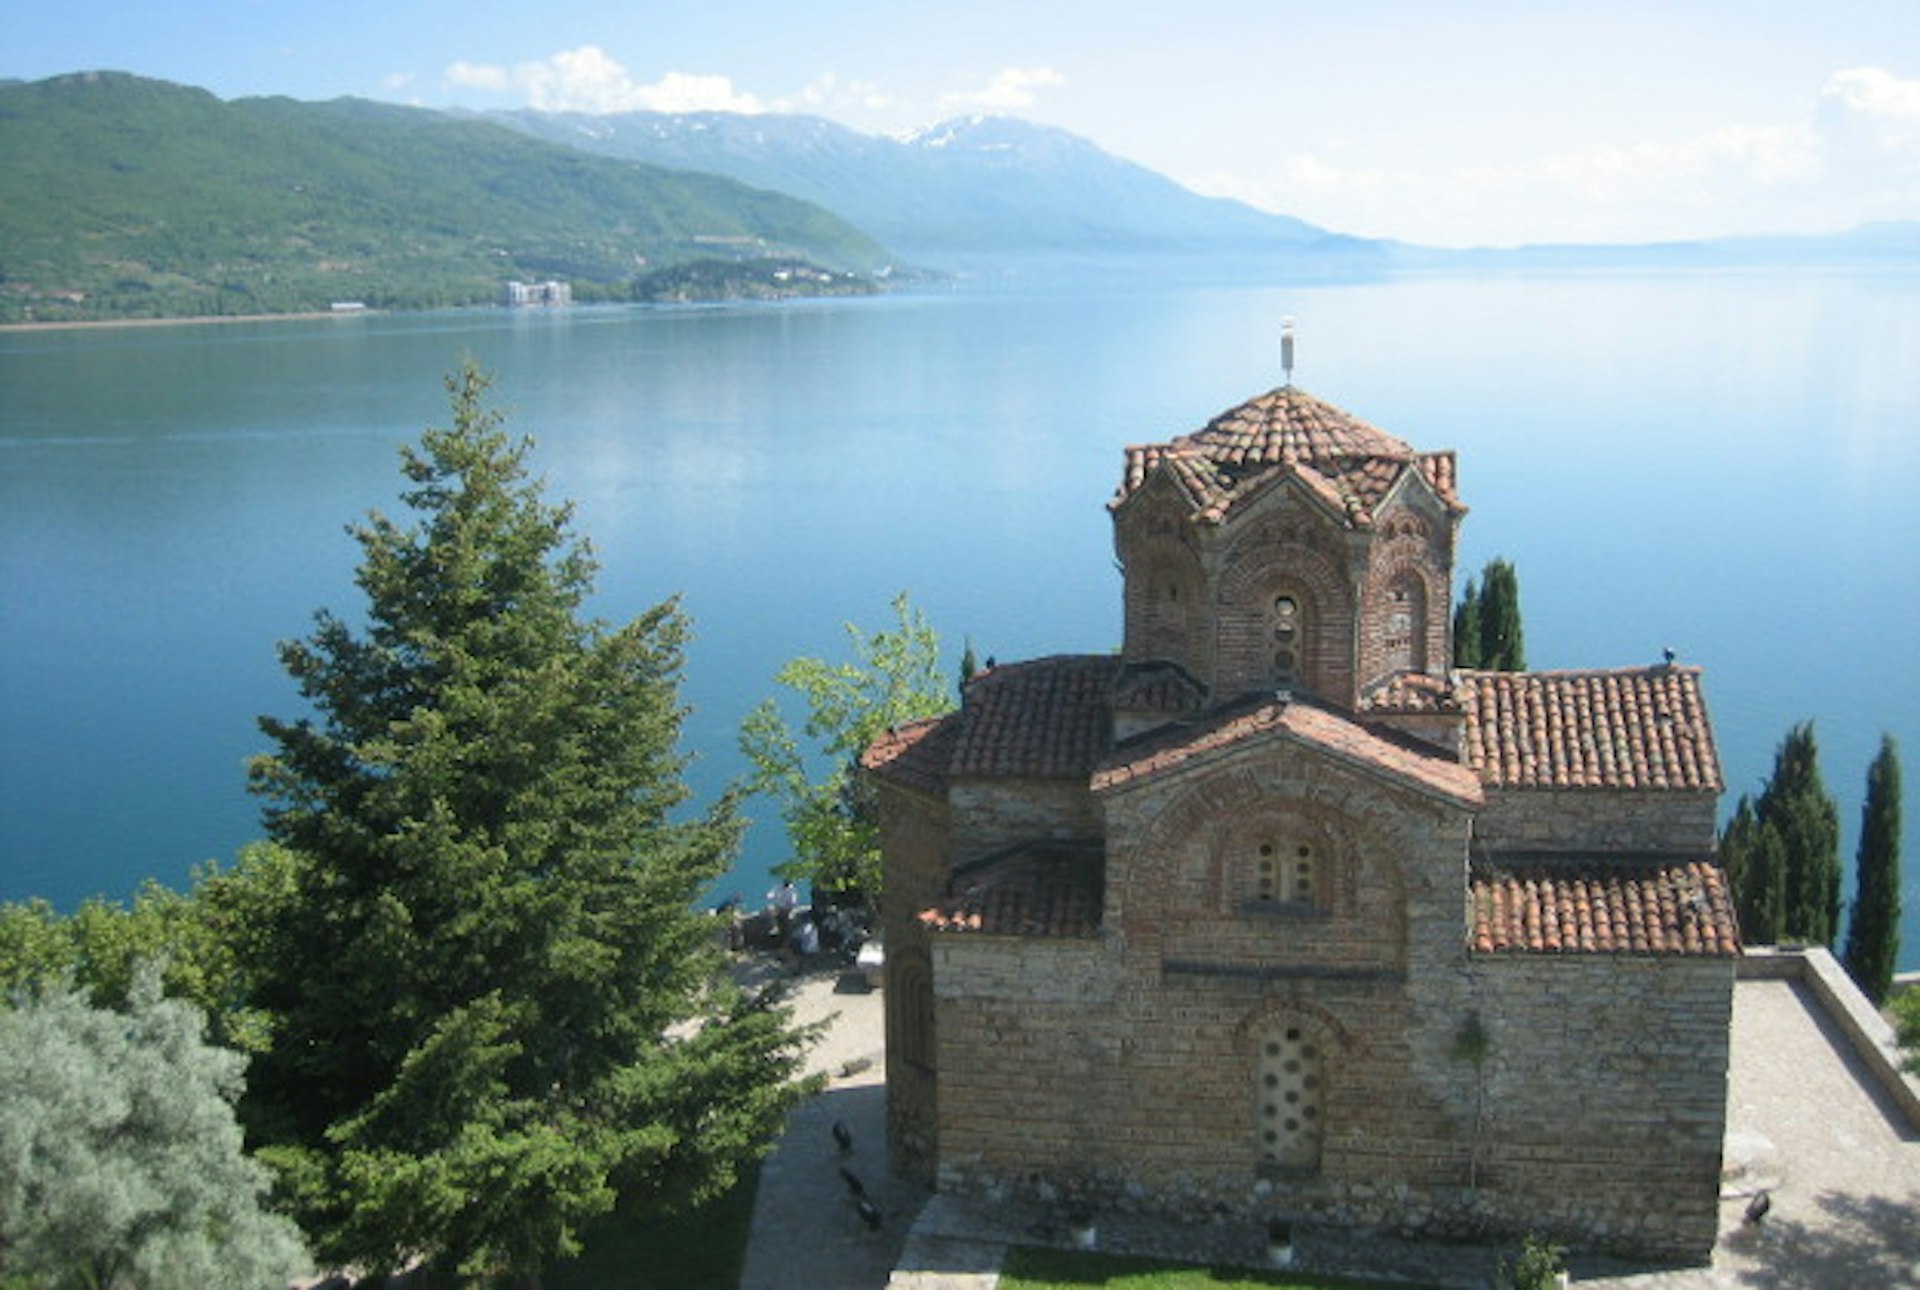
(130,198)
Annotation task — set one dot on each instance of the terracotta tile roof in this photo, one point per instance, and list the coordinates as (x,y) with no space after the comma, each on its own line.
(1040,889)
(1603,906)
(914,755)
(1048,718)
(1637,728)
(1411,692)
(1157,687)
(1289,424)
(1442,471)
(1385,751)
(1286,433)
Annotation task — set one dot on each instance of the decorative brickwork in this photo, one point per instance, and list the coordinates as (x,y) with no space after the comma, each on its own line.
(1274,916)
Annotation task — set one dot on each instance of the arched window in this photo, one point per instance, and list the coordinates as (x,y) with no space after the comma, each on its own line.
(1289,1086)
(911,985)
(1406,625)
(1289,635)
(1286,872)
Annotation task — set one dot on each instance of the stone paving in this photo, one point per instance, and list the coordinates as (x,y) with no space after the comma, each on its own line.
(1805,1121)
(807,1230)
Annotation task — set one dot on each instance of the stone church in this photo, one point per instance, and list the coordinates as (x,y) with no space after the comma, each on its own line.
(1274,915)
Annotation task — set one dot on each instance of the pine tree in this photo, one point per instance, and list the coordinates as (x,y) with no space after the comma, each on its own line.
(1502,638)
(1873,924)
(1466,628)
(495,1006)
(1796,806)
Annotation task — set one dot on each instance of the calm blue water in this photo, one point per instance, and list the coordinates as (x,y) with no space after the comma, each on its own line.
(1718,463)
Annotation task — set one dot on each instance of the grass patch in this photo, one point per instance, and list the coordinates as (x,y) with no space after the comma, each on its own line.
(1032,1268)
(640,1251)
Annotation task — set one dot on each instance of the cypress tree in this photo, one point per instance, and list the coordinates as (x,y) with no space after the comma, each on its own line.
(1502,641)
(1796,805)
(1466,628)
(1755,862)
(1873,924)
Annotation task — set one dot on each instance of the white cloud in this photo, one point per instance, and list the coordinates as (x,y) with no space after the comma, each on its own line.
(478,76)
(828,94)
(1869,118)
(1852,156)
(588,80)
(1011,89)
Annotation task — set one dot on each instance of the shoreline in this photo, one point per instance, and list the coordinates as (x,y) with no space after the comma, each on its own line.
(201,319)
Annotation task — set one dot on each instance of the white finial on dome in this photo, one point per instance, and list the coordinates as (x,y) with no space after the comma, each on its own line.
(1286,349)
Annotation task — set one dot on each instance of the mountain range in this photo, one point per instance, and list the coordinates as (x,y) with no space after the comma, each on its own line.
(133,197)
(129,197)
(978,185)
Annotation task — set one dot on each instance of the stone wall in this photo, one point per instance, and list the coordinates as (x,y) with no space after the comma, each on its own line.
(913,837)
(1592,820)
(1603,1101)
(1124,1071)
(995,814)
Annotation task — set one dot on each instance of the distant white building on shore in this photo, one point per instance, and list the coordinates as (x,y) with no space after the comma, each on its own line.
(518,294)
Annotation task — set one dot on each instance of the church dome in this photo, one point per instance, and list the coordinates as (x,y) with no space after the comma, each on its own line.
(1353,464)
(1290,425)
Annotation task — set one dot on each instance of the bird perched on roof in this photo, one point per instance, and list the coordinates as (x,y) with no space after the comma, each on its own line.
(1668,655)
(852,1180)
(1757,1208)
(869,1214)
(842,1137)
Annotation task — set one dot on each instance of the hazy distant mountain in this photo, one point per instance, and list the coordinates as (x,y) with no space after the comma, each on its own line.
(134,197)
(1886,242)
(981,184)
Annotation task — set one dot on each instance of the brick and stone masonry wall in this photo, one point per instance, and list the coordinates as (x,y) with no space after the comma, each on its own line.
(913,831)
(1604,1097)
(1001,813)
(1524,820)
(1122,1069)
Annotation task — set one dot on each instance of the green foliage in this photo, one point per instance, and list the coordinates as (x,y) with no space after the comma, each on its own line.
(1471,1042)
(495,1008)
(1904,1008)
(771,278)
(1782,852)
(1795,805)
(120,1158)
(1466,628)
(1487,632)
(1873,924)
(132,198)
(894,677)
(640,1250)
(1030,1267)
(1537,1266)
(1756,864)
(193,938)
(1502,638)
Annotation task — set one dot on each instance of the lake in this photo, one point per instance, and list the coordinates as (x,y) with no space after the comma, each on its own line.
(1719,463)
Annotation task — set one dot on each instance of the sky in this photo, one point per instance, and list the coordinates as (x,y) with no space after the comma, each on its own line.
(1472,123)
